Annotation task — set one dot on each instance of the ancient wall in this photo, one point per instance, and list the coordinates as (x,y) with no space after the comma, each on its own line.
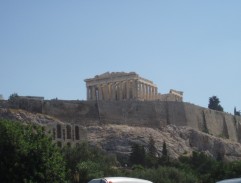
(81,112)
(133,113)
(145,113)
(4,104)
(66,134)
(213,122)
(155,114)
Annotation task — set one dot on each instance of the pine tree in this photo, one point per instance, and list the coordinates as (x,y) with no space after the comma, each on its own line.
(152,151)
(214,104)
(138,155)
(164,149)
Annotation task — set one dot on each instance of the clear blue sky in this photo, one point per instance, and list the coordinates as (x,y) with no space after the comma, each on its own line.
(48,48)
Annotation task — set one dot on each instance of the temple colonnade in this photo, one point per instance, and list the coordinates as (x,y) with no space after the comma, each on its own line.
(122,90)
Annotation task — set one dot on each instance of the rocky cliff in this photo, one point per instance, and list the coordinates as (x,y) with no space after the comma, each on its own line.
(118,138)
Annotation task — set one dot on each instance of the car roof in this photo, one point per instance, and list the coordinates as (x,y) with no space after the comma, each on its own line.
(121,180)
(235,180)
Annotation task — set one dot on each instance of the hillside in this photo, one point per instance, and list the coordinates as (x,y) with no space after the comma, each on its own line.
(114,138)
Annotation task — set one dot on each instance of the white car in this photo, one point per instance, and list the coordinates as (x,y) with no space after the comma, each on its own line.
(119,180)
(236,180)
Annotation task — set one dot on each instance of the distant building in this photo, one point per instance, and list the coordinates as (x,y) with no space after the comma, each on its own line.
(126,86)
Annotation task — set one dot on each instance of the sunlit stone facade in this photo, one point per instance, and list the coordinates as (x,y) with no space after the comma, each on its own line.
(120,86)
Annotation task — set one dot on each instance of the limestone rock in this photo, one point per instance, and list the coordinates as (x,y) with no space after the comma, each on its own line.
(179,140)
(118,138)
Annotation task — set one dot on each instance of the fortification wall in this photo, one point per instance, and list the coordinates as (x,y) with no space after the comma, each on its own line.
(217,123)
(145,113)
(195,116)
(176,113)
(80,112)
(138,113)
(158,113)
(4,104)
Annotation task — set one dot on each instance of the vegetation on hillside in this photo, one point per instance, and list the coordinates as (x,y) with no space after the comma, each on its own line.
(27,155)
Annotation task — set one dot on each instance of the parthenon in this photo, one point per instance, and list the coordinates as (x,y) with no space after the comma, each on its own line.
(124,86)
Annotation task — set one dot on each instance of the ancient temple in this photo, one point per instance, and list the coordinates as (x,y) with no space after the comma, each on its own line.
(125,86)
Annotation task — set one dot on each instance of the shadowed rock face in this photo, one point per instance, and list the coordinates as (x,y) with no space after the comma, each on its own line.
(182,135)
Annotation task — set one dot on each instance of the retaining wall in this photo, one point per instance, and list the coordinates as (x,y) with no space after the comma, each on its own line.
(144,113)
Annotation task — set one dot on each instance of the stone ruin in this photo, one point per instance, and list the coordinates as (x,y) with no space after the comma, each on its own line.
(116,86)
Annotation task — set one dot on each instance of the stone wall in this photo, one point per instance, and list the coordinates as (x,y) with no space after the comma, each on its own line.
(153,114)
(156,114)
(4,104)
(217,123)
(81,112)
(133,113)
(66,134)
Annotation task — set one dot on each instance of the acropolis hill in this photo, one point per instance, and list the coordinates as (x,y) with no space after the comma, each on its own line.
(123,107)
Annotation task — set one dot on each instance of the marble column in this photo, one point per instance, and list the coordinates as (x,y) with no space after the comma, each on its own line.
(106,92)
(103,91)
(148,92)
(152,93)
(155,92)
(109,91)
(131,89)
(124,90)
(127,90)
(112,89)
(93,93)
(145,91)
(116,92)
(142,91)
(121,86)
(138,89)
(88,96)
(99,92)
(135,89)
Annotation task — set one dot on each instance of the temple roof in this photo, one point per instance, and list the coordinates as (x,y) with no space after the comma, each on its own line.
(112,76)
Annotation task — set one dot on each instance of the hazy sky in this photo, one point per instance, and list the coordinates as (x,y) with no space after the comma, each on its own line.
(48,48)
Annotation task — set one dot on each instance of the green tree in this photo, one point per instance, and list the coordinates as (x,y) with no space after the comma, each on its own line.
(164,159)
(28,155)
(89,170)
(138,155)
(214,103)
(14,100)
(164,149)
(237,113)
(152,151)
(165,174)
(151,158)
(86,162)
